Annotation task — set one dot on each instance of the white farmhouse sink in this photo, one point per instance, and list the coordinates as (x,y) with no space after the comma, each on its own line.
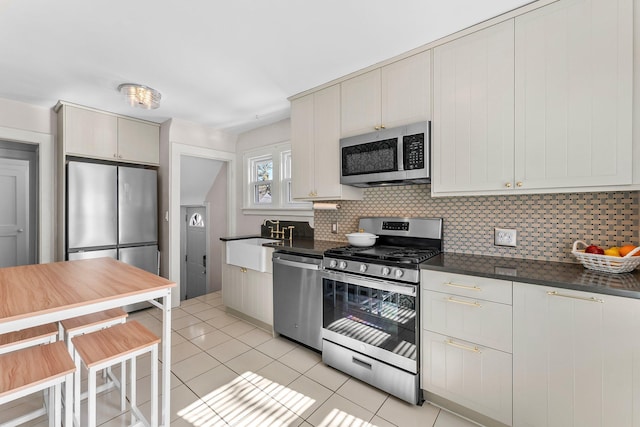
(249,253)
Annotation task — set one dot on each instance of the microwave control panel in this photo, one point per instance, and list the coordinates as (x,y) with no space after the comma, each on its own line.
(413,155)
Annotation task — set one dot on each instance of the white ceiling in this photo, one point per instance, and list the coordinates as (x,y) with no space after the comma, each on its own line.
(225,64)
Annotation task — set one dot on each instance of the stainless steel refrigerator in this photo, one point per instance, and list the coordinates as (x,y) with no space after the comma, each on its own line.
(113,211)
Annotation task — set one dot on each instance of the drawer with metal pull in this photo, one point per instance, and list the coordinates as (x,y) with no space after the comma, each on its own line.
(484,322)
(480,288)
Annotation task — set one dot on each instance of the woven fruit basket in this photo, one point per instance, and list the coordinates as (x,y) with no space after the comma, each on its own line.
(608,264)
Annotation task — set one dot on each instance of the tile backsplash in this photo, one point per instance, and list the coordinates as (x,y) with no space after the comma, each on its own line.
(547,224)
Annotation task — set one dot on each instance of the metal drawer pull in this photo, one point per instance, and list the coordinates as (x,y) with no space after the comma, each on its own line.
(457,301)
(591,299)
(462,346)
(471,288)
(361,363)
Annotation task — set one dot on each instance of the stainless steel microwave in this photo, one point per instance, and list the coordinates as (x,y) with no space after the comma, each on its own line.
(395,156)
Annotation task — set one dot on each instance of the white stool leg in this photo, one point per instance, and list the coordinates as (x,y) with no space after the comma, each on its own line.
(154,385)
(132,398)
(68,401)
(57,405)
(91,398)
(123,385)
(76,389)
(50,398)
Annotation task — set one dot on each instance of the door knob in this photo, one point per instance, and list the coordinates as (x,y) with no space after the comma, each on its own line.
(20,230)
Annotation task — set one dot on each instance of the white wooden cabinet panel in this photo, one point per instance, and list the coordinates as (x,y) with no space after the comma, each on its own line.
(576,358)
(473,376)
(482,288)
(232,278)
(315,148)
(327,143)
(406,91)
(302,147)
(394,95)
(89,133)
(361,103)
(573,94)
(257,296)
(482,322)
(138,142)
(473,114)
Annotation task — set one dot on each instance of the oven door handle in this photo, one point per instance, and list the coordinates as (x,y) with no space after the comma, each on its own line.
(372,283)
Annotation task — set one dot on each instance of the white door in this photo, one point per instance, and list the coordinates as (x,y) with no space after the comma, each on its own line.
(14,212)
(196,259)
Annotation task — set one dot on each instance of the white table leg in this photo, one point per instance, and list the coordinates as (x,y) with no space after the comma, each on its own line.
(166,359)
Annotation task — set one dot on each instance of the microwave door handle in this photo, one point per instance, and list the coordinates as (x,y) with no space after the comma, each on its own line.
(400,153)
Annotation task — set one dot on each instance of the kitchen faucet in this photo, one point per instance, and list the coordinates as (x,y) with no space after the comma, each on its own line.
(279,233)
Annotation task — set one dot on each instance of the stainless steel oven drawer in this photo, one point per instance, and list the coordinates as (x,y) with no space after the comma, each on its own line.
(397,382)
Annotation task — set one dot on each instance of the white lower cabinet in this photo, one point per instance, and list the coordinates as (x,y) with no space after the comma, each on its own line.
(467,342)
(248,291)
(471,375)
(576,358)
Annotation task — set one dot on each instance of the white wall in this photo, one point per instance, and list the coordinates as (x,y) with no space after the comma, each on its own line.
(256,138)
(31,124)
(218,226)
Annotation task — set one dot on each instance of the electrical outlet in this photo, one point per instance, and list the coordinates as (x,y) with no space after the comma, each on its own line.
(504,237)
(334,227)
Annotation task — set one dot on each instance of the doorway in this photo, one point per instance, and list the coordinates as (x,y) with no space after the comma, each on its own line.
(19,210)
(195,248)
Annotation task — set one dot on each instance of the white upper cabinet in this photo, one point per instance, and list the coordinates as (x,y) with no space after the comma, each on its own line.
(473,111)
(138,142)
(573,94)
(96,135)
(315,149)
(539,103)
(394,95)
(90,133)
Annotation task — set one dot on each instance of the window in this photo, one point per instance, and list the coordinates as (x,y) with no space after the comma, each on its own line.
(267,174)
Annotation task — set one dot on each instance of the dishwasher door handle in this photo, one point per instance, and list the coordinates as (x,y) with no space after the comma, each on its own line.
(296,264)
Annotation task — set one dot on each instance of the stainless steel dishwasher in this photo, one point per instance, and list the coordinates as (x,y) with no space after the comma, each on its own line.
(297,298)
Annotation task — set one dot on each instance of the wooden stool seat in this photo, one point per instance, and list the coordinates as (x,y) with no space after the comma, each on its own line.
(27,337)
(75,324)
(117,344)
(36,368)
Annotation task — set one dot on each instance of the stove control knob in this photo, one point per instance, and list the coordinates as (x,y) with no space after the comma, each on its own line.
(333,263)
(386,271)
(363,268)
(343,265)
(399,273)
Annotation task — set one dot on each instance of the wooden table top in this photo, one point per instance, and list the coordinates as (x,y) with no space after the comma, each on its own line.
(43,288)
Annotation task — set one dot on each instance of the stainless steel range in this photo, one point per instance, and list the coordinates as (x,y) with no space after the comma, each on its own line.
(371,316)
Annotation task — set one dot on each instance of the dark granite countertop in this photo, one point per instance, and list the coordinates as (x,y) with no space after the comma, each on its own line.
(546,273)
(253,236)
(305,246)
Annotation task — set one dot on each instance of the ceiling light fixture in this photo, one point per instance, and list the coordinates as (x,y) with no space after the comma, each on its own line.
(140,95)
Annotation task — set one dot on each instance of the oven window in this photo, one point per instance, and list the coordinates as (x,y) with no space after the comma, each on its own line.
(373,157)
(383,319)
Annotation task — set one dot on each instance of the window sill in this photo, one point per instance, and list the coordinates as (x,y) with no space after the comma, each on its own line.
(278,211)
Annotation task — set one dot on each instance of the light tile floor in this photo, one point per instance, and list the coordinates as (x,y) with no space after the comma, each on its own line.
(227,372)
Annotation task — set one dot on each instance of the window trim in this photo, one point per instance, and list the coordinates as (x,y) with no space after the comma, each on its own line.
(279,204)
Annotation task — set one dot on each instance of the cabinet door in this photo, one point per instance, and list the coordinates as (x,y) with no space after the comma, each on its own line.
(574,94)
(302,147)
(473,376)
(232,283)
(138,142)
(257,296)
(473,112)
(327,143)
(90,134)
(406,91)
(360,106)
(576,358)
